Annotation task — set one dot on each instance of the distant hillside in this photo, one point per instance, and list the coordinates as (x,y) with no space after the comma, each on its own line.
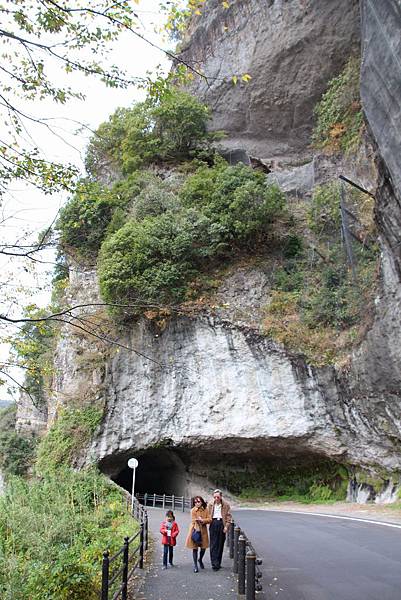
(5,403)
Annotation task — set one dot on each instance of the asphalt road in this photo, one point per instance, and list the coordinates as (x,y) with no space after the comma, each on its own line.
(308,557)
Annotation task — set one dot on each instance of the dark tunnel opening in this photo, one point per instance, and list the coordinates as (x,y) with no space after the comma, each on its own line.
(275,470)
(158,472)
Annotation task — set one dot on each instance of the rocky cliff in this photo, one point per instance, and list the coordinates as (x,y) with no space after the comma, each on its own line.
(376,365)
(290,49)
(208,388)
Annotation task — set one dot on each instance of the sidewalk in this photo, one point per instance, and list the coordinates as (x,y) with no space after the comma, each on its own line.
(180,582)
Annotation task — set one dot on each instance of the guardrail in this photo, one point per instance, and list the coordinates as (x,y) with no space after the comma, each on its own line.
(245,562)
(130,557)
(165,501)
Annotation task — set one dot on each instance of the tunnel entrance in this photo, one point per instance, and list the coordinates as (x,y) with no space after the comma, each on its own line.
(250,469)
(159,471)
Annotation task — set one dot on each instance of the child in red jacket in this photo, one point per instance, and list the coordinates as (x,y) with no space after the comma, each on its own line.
(169,530)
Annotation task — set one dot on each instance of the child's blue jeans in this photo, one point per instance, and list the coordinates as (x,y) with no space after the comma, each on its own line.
(167,551)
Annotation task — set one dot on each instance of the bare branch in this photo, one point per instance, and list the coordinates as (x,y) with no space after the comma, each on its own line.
(21,387)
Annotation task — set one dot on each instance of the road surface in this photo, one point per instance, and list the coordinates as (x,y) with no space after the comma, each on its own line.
(307,557)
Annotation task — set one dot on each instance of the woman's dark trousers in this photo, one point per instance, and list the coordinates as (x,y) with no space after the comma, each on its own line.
(167,551)
(217,539)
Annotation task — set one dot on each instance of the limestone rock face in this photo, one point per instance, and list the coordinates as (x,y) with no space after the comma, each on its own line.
(381,79)
(208,388)
(290,49)
(376,364)
(205,386)
(30,418)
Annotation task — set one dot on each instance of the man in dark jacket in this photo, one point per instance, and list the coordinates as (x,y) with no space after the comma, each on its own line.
(220,513)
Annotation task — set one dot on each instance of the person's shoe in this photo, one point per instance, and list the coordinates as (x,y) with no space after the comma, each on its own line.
(171,564)
(164,567)
(196,570)
(215,568)
(202,566)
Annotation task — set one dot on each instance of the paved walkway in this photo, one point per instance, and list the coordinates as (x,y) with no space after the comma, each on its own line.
(180,582)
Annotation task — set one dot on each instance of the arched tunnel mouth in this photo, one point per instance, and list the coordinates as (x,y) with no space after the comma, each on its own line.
(158,472)
(241,470)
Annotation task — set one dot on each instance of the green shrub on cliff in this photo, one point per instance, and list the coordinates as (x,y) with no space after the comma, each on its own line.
(219,209)
(324,216)
(339,116)
(171,129)
(85,218)
(68,435)
(152,260)
(16,450)
(235,197)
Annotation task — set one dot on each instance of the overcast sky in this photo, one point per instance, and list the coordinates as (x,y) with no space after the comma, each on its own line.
(28,210)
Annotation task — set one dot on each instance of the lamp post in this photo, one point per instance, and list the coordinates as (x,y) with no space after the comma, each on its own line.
(133,463)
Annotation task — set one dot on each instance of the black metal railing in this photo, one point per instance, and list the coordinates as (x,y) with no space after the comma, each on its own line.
(246,562)
(165,501)
(118,569)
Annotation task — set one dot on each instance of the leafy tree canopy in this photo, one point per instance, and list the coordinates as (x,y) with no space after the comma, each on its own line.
(39,38)
(219,211)
(171,128)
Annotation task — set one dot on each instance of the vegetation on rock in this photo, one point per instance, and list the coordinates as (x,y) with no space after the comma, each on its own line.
(16,451)
(172,129)
(32,349)
(220,209)
(319,306)
(311,483)
(69,434)
(339,117)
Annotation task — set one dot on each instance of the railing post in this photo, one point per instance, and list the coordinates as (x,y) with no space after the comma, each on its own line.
(250,575)
(141,552)
(241,565)
(173,501)
(237,532)
(105,575)
(232,525)
(164,500)
(183,504)
(145,498)
(146,531)
(124,588)
(154,500)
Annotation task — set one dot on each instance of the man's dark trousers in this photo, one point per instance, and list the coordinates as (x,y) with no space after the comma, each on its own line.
(217,539)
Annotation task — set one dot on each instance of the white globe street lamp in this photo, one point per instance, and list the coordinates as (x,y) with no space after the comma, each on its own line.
(133,463)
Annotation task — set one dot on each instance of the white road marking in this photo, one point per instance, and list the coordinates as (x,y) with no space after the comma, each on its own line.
(312,514)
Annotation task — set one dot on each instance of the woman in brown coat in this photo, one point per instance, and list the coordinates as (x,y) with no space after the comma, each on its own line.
(200,518)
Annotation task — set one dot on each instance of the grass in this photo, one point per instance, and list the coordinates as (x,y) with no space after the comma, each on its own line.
(53,532)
